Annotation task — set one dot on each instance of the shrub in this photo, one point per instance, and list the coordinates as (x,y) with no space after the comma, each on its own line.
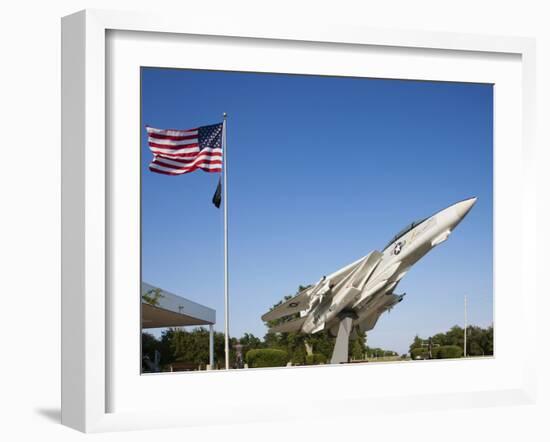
(443,352)
(447,352)
(298,356)
(315,359)
(420,353)
(266,357)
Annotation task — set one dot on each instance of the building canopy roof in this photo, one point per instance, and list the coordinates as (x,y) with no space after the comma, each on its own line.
(165,309)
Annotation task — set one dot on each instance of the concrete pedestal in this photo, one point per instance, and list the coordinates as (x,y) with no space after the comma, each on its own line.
(341,349)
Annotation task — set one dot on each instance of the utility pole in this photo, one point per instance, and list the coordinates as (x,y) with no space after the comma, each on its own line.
(465,324)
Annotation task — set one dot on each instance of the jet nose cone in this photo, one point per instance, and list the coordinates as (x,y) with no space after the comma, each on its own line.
(463,207)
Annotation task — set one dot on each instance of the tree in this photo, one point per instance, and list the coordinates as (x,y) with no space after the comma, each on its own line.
(378,352)
(487,341)
(417,343)
(192,347)
(266,357)
(148,345)
(479,342)
(357,348)
(455,336)
(447,352)
(152,297)
(250,342)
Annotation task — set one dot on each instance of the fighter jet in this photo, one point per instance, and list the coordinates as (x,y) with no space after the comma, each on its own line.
(354,297)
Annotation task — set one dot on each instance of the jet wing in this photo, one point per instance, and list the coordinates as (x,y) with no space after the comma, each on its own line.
(362,274)
(358,272)
(289,326)
(358,276)
(370,321)
(290,307)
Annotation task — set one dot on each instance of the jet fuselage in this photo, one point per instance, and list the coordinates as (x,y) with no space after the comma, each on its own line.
(364,289)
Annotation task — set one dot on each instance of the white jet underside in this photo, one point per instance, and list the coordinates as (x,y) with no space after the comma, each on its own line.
(364,289)
(337,289)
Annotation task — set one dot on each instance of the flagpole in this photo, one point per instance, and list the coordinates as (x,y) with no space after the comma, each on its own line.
(225,248)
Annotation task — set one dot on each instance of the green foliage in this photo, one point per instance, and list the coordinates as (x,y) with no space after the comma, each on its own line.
(378,352)
(420,353)
(191,346)
(450,344)
(357,347)
(148,345)
(480,341)
(266,357)
(322,343)
(250,342)
(447,352)
(152,297)
(315,359)
(417,343)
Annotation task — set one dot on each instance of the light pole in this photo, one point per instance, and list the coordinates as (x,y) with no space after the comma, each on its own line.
(428,343)
(465,324)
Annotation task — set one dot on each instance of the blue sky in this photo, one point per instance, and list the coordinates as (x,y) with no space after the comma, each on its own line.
(322,170)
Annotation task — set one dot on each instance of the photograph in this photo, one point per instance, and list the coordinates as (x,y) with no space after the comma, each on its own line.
(295,220)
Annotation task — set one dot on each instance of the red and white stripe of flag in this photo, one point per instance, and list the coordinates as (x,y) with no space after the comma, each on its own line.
(176,152)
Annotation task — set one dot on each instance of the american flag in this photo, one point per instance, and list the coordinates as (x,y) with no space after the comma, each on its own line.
(176,152)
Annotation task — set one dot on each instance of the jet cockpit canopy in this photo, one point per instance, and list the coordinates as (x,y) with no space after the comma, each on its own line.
(405,230)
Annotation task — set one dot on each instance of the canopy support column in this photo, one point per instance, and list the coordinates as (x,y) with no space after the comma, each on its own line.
(211,346)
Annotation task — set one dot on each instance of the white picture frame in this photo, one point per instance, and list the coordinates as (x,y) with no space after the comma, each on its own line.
(87,210)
